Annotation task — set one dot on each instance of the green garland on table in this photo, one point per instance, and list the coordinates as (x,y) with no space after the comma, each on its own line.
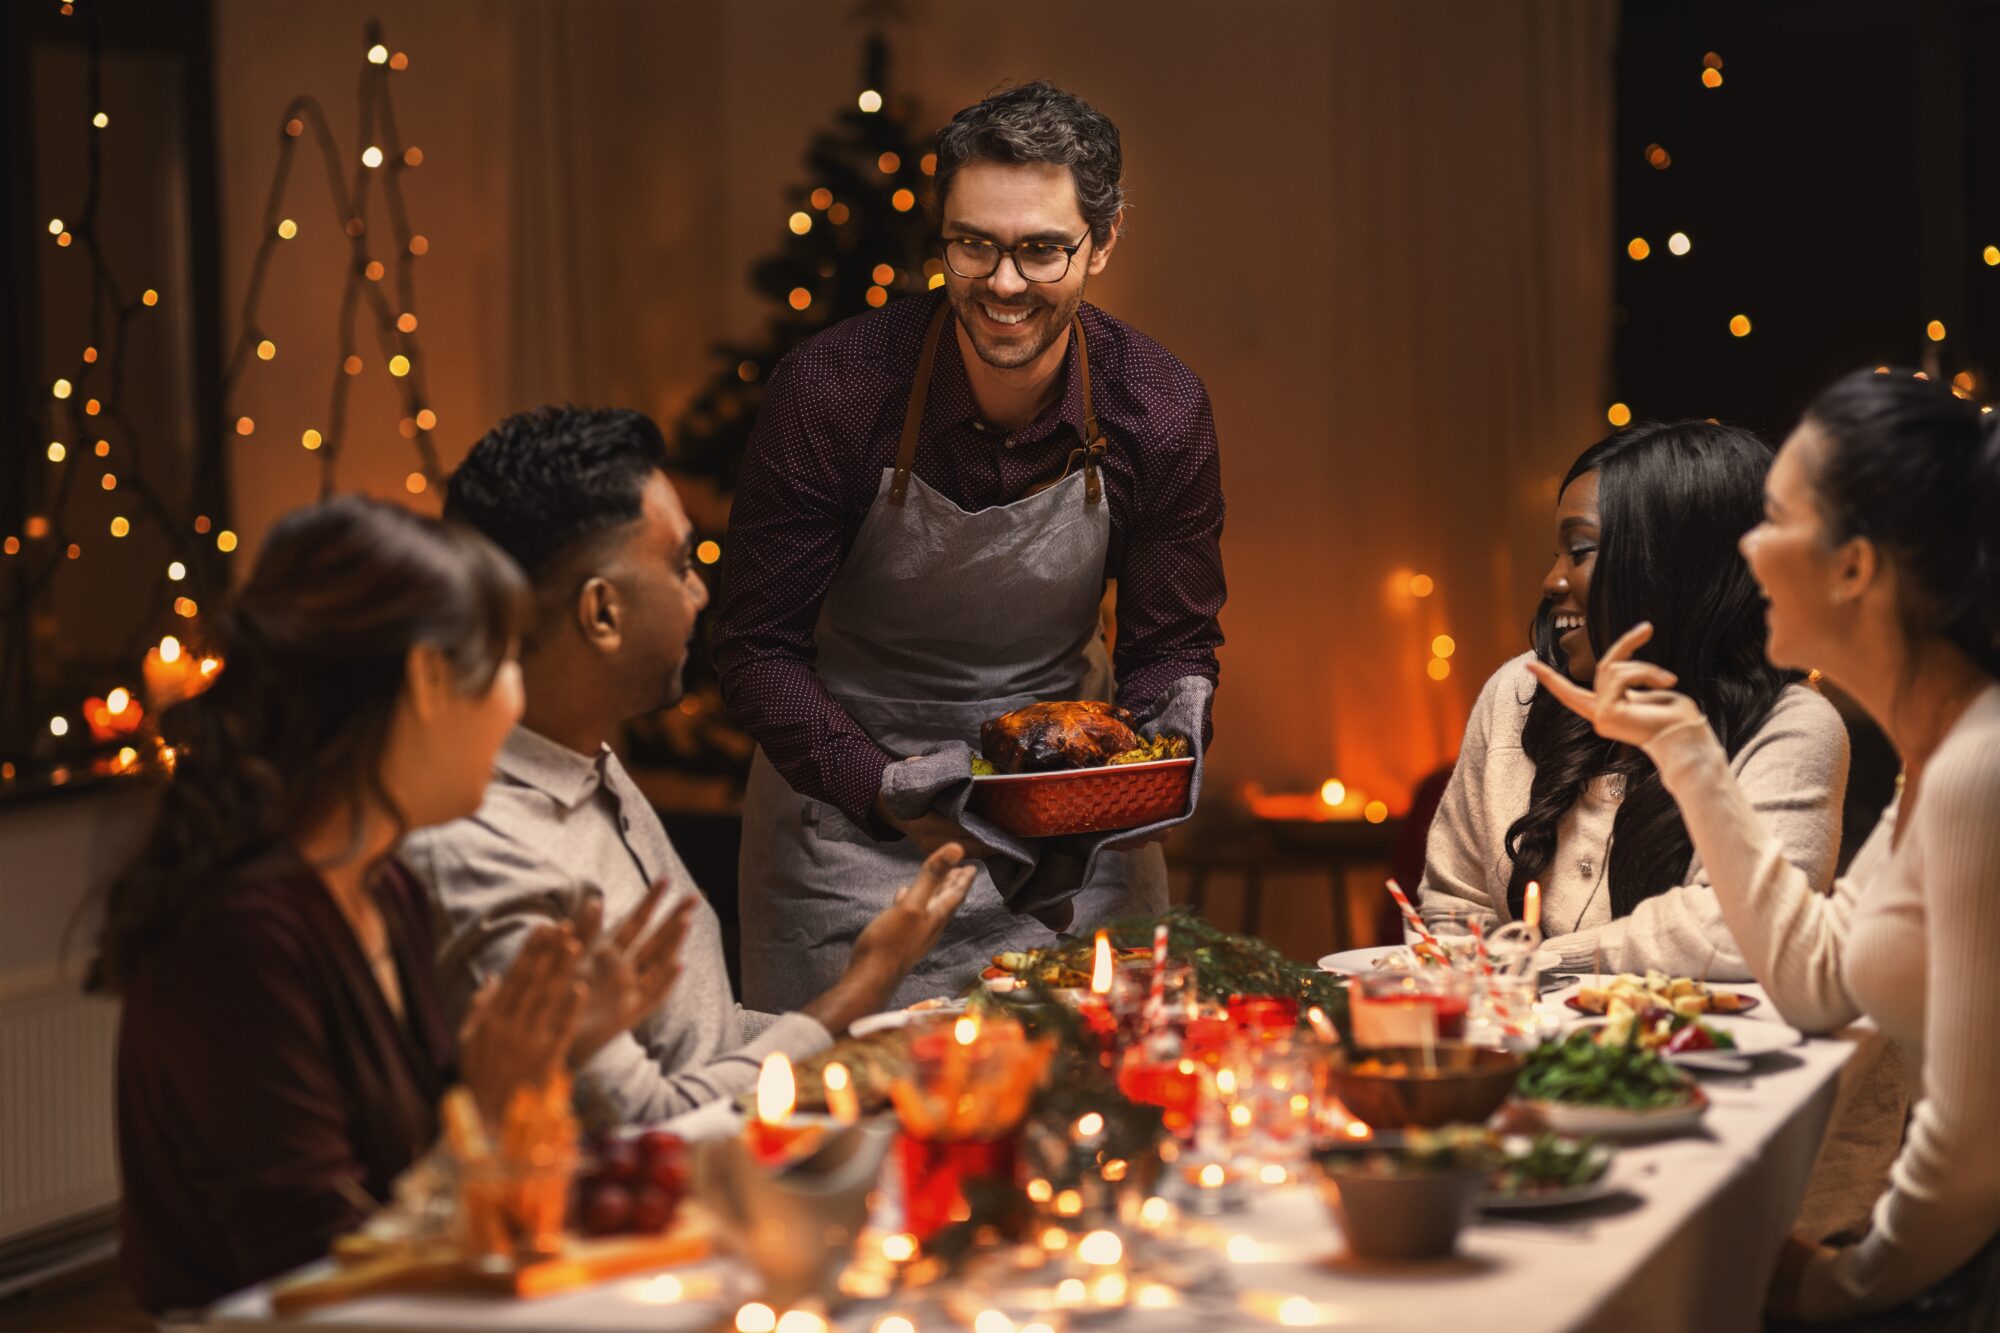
(1224,964)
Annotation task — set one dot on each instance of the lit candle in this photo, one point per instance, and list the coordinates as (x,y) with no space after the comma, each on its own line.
(841,1102)
(116,714)
(1531,905)
(172,674)
(770,1136)
(1095,1008)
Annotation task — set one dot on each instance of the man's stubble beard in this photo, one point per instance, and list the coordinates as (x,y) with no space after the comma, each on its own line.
(1011,358)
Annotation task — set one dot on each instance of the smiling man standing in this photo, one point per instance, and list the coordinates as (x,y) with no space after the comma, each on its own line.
(934,499)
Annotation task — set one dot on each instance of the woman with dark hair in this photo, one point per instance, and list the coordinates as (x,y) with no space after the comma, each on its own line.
(282,1048)
(1646,527)
(1879,554)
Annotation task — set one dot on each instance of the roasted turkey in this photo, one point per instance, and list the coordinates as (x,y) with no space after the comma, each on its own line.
(1047,738)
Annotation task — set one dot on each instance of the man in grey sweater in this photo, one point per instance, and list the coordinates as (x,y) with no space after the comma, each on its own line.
(581,500)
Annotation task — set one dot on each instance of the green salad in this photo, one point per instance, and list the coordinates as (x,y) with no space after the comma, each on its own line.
(1580,1071)
(1548,1162)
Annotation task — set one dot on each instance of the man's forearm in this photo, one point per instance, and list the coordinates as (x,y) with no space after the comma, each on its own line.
(805,733)
(863,989)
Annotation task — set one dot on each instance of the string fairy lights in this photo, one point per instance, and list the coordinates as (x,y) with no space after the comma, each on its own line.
(86,402)
(87,412)
(375,261)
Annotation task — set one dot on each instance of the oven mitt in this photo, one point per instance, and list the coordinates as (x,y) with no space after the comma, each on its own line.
(1032,875)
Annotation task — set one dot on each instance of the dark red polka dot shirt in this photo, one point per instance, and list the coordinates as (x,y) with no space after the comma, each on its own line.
(832,415)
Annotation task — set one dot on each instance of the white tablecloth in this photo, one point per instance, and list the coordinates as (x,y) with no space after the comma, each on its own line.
(1690,1249)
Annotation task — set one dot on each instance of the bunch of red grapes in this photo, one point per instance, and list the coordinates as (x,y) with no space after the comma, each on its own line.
(632,1184)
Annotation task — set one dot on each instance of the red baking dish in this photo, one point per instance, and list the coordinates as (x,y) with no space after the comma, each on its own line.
(1084,800)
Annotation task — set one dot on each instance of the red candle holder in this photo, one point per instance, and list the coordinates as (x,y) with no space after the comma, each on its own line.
(937,1172)
(1257,1015)
(1173,1085)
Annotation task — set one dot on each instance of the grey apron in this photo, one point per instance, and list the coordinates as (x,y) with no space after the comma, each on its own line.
(937,620)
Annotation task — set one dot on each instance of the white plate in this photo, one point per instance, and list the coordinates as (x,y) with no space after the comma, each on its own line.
(898,1018)
(1753,1037)
(1353,962)
(1615,1122)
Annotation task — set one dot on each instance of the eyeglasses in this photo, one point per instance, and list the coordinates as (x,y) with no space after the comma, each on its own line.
(1035,261)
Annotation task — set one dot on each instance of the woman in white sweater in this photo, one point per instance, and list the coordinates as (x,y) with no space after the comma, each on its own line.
(1880,556)
(1646,527)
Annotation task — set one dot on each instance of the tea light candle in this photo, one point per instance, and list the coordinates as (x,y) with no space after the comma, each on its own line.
(841,1102)
(116,714)
(769,1135)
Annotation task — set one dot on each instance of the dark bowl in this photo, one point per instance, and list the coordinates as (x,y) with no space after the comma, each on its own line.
(1459,1084)
(1397,1215)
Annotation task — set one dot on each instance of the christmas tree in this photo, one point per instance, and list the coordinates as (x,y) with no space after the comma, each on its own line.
(854,238)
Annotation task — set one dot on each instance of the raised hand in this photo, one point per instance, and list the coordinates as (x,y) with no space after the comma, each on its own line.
(629,974)
(897,940)
(520,1025)
(1628,701)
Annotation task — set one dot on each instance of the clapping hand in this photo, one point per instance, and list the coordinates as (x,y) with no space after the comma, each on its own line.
(520,1025)
(629,972)
(1628,701)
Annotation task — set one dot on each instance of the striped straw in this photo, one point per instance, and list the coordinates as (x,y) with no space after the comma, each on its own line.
(1479,943)
(1409,912)
(1156,997)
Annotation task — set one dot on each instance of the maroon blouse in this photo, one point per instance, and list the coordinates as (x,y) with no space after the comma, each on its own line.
(265,1086)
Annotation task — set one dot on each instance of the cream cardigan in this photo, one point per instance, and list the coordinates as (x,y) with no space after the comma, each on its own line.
(1911,938)
(1793,772)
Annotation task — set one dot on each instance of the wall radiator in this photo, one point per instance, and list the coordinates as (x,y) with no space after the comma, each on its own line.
(58,1157)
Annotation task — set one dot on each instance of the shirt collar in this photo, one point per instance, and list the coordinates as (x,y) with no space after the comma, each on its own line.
(533,760)
(951,391)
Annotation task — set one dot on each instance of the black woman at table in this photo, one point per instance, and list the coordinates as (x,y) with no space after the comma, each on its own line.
(1646,527)
(282,1048)
(1880,556)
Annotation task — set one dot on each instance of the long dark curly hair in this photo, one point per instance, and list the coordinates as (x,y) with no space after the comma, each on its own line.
(315,651)
(1673,498)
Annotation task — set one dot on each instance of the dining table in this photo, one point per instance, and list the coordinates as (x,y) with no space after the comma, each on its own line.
(1685,1240)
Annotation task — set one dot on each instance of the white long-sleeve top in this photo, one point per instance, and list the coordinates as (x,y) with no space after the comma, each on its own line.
(1794,771)
(1910,937)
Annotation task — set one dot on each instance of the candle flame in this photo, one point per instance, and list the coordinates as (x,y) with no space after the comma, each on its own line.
(1333,791)
(170,649)
(118,700)
(1100,971)
(777,1089)
(965,1031)
(840,1099)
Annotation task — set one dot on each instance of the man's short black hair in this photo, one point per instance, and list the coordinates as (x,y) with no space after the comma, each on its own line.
(542,482)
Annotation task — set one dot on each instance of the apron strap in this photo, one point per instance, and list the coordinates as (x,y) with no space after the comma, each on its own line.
(1093,439)
(913,415)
